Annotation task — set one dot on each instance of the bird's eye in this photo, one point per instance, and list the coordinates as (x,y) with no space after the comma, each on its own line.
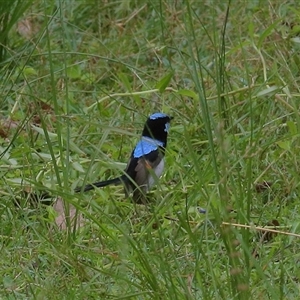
(167,127)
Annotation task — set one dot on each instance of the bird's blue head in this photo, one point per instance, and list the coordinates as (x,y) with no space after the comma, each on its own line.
(157,127)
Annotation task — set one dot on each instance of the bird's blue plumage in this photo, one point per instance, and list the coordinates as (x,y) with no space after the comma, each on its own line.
(167,127)
(157,115)
(145,146)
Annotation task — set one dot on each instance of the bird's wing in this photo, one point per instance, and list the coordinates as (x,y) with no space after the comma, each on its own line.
(148,169)
(146,166)
(140,169)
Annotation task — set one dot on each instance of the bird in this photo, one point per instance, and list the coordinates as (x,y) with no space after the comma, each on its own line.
(146,163)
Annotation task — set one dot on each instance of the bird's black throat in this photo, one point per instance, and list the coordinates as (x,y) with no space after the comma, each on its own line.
(156,129)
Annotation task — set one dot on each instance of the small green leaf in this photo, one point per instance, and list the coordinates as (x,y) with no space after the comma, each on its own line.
(42,132)
(292,127)
(164,82)
(27,71)
(251,30)
(74,72)
(8,282)
(188,93)
(18,181)
(268,91)
(77,166)
(285,145)
(52,214)
(296,30)
(45,156)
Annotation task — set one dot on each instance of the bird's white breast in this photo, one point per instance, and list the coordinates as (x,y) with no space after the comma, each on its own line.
(152,179)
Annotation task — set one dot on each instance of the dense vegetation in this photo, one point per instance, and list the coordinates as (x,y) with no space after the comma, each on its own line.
(78,80)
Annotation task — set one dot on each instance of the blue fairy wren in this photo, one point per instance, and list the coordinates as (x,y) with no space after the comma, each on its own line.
(146,163)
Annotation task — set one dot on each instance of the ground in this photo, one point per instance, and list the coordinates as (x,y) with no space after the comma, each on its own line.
(79,79)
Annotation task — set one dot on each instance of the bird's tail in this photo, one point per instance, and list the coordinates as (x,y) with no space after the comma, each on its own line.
(100,184)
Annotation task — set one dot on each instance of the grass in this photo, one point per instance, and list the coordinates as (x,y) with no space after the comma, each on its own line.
(79,78)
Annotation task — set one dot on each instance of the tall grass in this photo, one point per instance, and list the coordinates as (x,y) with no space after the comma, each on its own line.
(10,13)
(76,98)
